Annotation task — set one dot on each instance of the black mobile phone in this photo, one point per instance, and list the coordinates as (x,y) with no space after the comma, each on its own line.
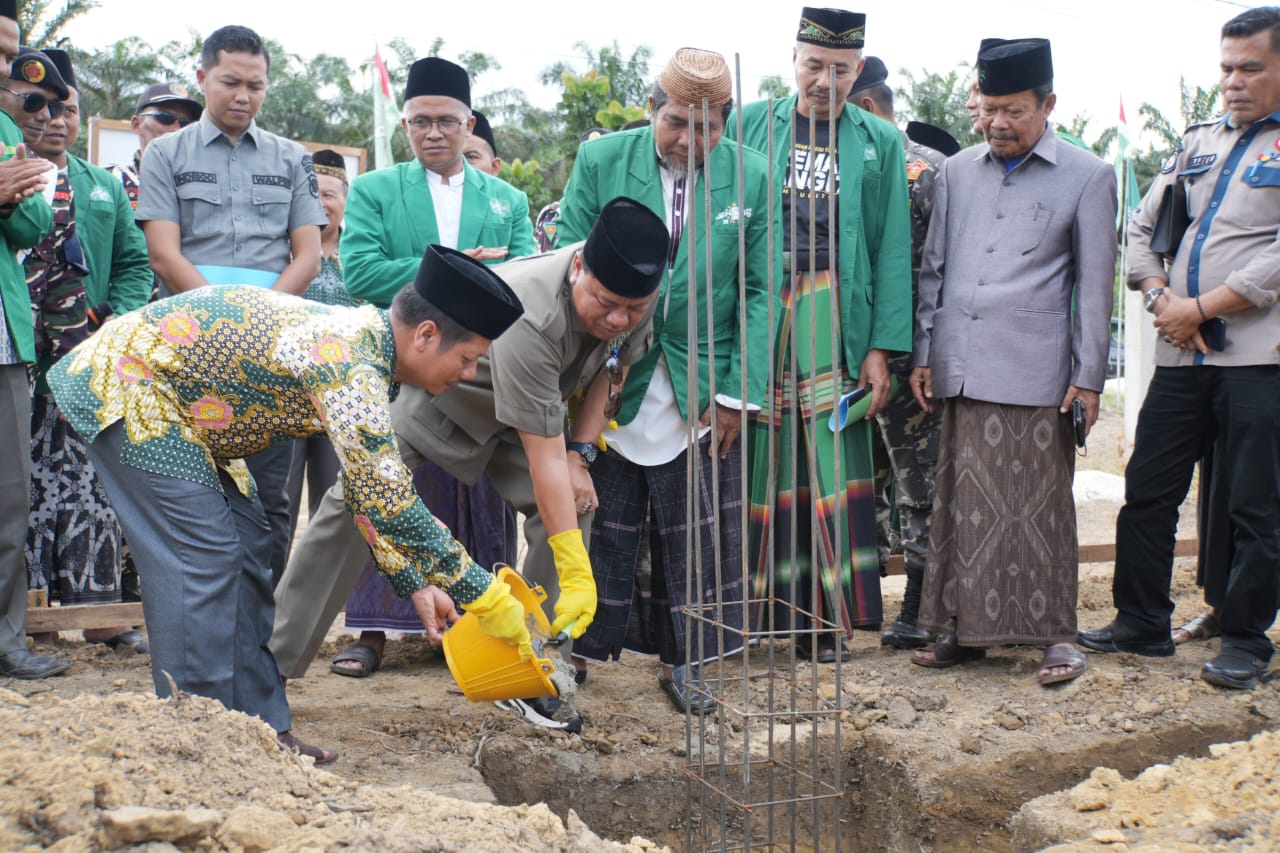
(1214,332)
(1078,421)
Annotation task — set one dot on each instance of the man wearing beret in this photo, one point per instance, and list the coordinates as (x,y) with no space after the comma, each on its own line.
(1013,327)
(1221,388)
(588,310)
(225,202)
(92,263)
(392,215)
(642,475)
(844,186)
(173,396)
(906,450)
(25,218)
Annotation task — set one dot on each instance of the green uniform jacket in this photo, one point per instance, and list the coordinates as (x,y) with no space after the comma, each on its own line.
(390,221)
(23,228)
(874,252)
(119,271)
(626,164)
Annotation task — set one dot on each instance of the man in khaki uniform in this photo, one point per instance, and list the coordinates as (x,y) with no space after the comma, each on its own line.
(588,313)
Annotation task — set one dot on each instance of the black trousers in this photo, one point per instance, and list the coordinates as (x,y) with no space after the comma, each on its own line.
(1185,411)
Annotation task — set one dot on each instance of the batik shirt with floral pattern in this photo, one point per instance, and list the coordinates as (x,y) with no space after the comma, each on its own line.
(205,378)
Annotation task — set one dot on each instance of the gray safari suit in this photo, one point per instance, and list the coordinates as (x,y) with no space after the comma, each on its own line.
(520,386)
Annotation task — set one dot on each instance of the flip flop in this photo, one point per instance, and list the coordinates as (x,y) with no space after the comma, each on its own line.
(362,653)
(1059,655)
(289,743)
(1204,626)
(946,653)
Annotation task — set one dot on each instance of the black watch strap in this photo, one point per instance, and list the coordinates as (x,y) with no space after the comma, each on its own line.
(585,449)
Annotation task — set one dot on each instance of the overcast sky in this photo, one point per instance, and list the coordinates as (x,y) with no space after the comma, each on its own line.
(1102,49)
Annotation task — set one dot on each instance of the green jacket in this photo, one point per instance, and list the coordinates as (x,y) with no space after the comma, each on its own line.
(23,227)
(119,271)
(390,221)
(626,164)
(874,252)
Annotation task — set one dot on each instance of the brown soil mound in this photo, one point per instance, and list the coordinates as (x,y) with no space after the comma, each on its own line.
(103,772)
(1229,801)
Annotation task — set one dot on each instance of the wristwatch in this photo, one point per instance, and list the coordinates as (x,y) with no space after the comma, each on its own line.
(1150,297)
(588,451)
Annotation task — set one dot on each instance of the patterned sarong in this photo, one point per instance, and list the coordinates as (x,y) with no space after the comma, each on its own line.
(799,486)
(1003,558)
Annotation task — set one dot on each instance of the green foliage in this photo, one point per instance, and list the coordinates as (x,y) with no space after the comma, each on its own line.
(41,27)
(527,176)
(1196,105)
(775,87)
(939,100)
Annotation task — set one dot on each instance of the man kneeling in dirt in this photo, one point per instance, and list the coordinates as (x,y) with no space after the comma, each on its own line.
(588,314)
(173,396)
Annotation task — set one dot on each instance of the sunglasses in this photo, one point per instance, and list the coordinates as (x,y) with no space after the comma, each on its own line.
(167,119)
(34,102)
(614,404)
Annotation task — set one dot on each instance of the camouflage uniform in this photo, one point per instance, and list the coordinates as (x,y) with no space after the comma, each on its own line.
(906,457)
(55,272)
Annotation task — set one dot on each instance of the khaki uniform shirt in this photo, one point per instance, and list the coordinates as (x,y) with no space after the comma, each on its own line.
(528,374)
(1232,181)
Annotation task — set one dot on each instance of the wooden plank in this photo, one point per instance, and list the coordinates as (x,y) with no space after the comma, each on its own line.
(1104,552)
(80,616)
(37,598)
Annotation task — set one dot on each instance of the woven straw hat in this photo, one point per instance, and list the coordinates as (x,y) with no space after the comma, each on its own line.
(694,74)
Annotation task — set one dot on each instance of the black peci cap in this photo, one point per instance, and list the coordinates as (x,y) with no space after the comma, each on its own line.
(932,136)
(1014,65)
(873,74)
(62,60)
(484,131)
(627,248)
(436,76)
(467,291)
(832,28)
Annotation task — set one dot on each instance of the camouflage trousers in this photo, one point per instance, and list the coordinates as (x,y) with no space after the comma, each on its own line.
(905,459)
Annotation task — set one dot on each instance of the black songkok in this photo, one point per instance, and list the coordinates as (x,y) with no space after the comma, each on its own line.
(1015,65)
(627,248)
(436,76)
(467,292)
(832,28)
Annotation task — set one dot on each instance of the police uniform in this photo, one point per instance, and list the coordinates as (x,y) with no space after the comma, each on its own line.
(236,205)
(521,385)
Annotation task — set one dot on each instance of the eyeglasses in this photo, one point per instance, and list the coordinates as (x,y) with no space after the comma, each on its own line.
(167,119)
(614,404)
(34,102)
(447,126)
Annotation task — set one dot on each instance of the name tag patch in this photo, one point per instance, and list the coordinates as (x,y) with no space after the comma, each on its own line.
(1201,160)
(194,178)
(273,181)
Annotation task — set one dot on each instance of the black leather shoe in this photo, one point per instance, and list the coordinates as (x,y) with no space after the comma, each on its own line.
(902,635)
(682,693)
(1117,638)
(1236,669)
(27,665)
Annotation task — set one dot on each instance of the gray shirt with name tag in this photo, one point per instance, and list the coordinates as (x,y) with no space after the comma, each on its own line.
(235,203)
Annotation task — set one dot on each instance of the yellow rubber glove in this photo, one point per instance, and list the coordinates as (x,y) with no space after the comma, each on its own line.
(502,616)
(576,605)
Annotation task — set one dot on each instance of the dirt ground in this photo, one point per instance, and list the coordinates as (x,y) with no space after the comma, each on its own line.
(927,760)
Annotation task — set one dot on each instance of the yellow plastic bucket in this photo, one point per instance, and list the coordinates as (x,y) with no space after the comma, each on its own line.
(488,669)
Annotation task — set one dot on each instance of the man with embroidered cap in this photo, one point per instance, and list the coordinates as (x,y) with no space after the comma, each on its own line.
(173,396)
(642,474)
(392,215)
(845,185)
(162,108)
(225,202)
(25,218)
(588,314)
(1209,384)
(906,448)
(1013,326)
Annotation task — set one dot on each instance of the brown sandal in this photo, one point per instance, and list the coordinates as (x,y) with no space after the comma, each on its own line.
(1205,626)
(945,653)
(289,743)
(1061,655)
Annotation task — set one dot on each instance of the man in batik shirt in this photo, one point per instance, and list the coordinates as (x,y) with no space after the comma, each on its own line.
(173,396)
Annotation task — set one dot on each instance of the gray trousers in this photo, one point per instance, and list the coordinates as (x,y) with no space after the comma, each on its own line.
(15,503)
(271,471)
(203,560)
(326,564)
